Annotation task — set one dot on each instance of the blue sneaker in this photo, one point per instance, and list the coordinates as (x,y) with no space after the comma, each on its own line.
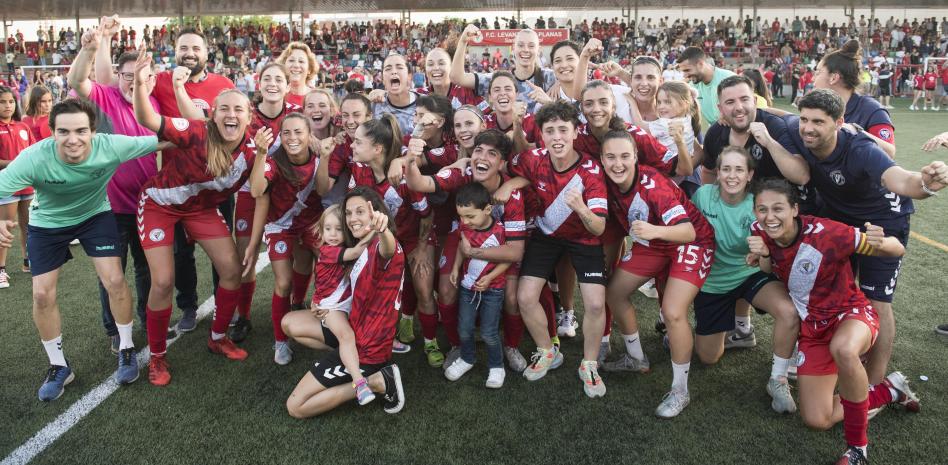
(188,321)
(57,377)
(128,366)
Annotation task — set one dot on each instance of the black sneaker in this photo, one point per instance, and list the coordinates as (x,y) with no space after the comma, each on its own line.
(188,321)
(394,399)
(942,329)
(660,327)
(239,332)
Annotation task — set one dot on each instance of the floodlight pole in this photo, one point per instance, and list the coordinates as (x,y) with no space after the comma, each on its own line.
(756,28)
(6,33)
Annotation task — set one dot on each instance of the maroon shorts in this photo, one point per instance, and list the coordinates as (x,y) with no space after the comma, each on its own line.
(813,354)
(688,262)
(156,224)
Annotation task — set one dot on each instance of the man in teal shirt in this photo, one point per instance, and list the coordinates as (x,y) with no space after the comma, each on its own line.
(70,172)
(705,77)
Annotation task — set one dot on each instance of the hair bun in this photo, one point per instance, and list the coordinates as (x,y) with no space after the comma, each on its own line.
(851,47)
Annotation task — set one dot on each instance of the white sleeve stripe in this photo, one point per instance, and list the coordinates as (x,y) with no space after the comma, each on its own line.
(597,202)
(515,225)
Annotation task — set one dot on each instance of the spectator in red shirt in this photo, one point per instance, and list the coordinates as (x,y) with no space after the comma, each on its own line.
(38,107)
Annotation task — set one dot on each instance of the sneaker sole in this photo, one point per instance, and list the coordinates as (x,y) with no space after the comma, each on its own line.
(69,379)
(4,285)
(179,329)
(740,345)
(398,389)
(941,333)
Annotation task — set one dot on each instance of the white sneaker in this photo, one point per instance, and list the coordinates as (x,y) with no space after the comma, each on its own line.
(672,404)
(912,108)
(515,359)
(282,353)
(779,390)
(457,369)
(74,242)
(495,378)
(648,289)
(568,325)
(4,279)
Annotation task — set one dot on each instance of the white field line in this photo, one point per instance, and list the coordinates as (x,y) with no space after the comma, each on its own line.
(77,411)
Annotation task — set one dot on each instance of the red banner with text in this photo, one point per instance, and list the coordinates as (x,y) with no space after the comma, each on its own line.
(505,37)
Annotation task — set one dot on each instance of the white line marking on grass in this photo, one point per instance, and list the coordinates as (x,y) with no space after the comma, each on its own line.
(77,411)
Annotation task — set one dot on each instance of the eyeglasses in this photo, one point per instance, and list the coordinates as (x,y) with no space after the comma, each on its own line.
(129,77)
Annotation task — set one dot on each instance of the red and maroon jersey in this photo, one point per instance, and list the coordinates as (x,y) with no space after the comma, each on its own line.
(437,157)
(657,200)
(918,82)
(406,206)
(183,181)
(39,126)
(376,301)
(931,80)
(649,150)
(293,205)
(202,93)
(296,99)
(259,120)
(529,126)
(332,284)
(550,187)
(340,160)
(458,96)
(14,137)
(816,267)
(512,215)
(475,268)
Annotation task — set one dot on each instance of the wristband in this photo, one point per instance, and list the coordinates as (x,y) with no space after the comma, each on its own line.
(928,191)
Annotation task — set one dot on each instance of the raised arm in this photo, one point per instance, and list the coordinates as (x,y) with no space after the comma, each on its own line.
(417,181)
(144,112)
(108,27)
(259,182)
(457,74)
(325,147)
(593,47)
(916,184)
(875,243)
(186,106)
(78,77)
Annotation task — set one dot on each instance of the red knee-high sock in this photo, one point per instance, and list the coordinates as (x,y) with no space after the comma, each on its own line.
(429,325)
(879,395)
(279,307)
(226,302)
(246,298)
(300,287)
(549,307)
(409,299)
(449,320)
(855,422)
(513,330)
(157,329)
(608,330)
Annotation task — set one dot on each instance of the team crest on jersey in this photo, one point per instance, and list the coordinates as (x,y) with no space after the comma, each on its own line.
(201,104)
(800,358)
(627,257)
(806,267)
(442,261)
(885,134)
(180,124)
(437,152)
(24,134)
(757,152)
(444,174)
(280,247)
(156,235)
(837,177)
(241,225)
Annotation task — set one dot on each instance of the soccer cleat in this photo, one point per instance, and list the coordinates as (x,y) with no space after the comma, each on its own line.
(433,352)
(672,404)
(453,354)
(736,339)
(942,330)
(239,331)
(897,381)
(57,377)
(26,266)
(604,350)
(568,325)
(233,320)
(627,363)
(555,340)
(158,373)
(399,348)
(457,369)
(406,330)
(912,108)
(495,378)
(364,395)
(542,361)
(114,344)
(648,289)
(592,383)
(282,353)
(127,372)
(853,456)
(4,279)
(515,359)
(779,390)
(188,322)
(224,346)
(394,392)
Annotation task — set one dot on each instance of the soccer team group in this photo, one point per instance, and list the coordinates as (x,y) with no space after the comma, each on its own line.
(482,200)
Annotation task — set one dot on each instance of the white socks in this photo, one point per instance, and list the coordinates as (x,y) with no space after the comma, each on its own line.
(605,338)
(54,350)
(743,323)
(125,336)
(779,367)
(217,336)
(633,345)
(680,376)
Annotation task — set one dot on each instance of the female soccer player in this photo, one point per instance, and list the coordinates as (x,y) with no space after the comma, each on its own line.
(729,206)
(672,242)
(376,279)
(15,136)
(437,70)
(38,106)
(285,191)
(301,67)
(216,159)
(811,256)
(398,100)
